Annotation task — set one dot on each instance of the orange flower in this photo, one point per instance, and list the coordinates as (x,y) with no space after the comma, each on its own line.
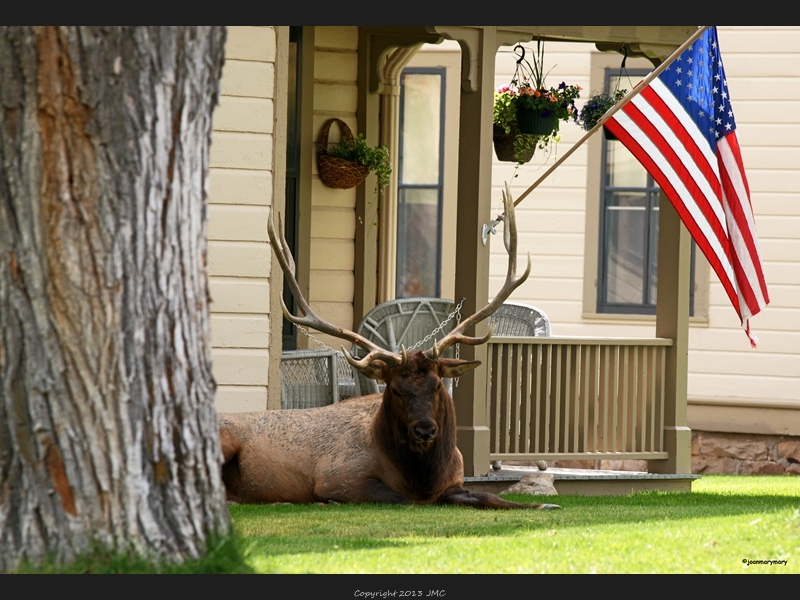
(537,93)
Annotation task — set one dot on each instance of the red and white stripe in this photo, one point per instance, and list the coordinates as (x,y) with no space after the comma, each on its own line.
(708,190)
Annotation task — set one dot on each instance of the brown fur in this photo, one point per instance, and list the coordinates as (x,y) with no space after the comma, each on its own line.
(397,448)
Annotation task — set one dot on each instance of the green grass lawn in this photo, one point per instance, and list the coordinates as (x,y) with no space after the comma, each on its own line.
(724,522)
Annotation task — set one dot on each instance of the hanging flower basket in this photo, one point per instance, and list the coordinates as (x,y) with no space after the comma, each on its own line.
(504,145)
(598,104)
(337,172)
(532,122)
(523,102)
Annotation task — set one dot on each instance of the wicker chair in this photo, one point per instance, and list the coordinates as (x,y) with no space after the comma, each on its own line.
(525,321)
(404,321)
(309,378)
(348,383)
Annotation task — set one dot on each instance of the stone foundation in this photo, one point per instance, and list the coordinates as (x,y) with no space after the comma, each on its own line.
(716,454)
(745,454)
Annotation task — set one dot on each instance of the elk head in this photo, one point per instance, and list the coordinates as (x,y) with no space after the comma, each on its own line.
(413,379)
(417,409)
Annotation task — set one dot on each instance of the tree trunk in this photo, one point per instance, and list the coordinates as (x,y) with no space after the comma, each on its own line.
(108,429)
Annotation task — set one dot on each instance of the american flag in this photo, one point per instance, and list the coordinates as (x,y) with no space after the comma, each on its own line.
(681,128)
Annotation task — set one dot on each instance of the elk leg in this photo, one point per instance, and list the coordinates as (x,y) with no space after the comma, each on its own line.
(463,497)
(374,490)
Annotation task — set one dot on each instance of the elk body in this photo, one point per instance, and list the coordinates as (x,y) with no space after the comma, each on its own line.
(396,447)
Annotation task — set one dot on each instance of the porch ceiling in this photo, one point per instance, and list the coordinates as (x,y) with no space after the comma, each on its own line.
(672,35)
(650,41)
(620,34)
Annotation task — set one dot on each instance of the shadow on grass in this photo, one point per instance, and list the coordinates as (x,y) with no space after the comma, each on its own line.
(223,555)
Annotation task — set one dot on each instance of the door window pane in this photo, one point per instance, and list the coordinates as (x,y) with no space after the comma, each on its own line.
(418,243)
(421,131)
(420,183)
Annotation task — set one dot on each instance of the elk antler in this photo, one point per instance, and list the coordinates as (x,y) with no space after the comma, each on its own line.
(284,255)
(512,283)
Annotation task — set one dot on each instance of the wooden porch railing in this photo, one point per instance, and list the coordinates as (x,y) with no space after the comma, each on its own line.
(576,398)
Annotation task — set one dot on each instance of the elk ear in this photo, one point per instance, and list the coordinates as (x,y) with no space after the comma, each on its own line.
(455,367)
(374,370)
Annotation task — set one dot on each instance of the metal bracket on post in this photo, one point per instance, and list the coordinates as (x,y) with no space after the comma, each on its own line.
(487,229)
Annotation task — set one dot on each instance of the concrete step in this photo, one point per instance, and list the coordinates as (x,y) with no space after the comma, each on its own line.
(585,482)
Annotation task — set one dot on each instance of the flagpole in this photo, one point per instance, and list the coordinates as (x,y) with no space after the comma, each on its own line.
(628,97)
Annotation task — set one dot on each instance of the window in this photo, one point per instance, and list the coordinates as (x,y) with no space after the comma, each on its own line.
(420,182)
(629,205)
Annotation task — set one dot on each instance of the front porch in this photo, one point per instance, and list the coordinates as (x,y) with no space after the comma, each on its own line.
(578,398)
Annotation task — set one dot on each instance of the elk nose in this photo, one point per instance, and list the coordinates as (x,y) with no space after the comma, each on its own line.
(425,433)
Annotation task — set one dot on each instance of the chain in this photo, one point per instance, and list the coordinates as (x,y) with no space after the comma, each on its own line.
(457,311)
(311,335)
(458,346)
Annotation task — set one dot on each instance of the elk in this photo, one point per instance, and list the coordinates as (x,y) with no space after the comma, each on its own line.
(396,447)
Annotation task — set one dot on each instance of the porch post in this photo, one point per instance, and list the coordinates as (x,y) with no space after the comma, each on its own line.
(672,321)
(366,236)
(472,257)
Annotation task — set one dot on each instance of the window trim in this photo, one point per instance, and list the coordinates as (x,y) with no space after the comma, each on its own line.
(600,62)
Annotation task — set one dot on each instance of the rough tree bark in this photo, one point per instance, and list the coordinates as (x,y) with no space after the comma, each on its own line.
(107,423)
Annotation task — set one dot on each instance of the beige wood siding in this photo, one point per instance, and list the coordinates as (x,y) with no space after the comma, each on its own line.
(333,220)
(240,182)
(763,69)
(551,221)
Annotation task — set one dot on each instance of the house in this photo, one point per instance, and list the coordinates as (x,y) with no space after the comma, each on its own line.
(280,85)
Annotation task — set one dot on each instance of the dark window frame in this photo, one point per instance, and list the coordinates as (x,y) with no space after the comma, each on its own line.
(439,186)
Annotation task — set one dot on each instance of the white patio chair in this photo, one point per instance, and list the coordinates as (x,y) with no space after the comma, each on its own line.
(522,320)
(403,322)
